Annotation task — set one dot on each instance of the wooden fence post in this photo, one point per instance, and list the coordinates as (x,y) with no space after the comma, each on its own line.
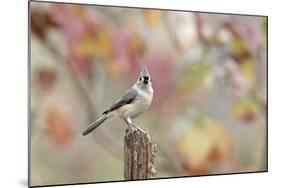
(139,155)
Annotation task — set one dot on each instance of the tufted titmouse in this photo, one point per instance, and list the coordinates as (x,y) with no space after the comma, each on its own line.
(134,102)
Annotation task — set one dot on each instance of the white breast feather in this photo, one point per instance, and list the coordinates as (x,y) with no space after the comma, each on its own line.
(141,103)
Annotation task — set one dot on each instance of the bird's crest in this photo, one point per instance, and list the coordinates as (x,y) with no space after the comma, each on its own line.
(144,72)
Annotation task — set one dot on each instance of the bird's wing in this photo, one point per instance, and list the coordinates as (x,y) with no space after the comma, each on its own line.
(128,97)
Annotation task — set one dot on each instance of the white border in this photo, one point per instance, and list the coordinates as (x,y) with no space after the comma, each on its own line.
(13,97)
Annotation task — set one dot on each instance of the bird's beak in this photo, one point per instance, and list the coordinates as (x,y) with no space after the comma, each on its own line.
(145,79)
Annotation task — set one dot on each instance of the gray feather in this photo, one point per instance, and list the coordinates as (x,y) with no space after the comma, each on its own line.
(94,125)
(145,72)
(127,98)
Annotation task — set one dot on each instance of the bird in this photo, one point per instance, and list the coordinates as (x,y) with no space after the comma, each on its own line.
(134,102)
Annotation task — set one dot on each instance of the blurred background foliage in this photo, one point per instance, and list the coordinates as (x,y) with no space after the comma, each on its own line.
(208,71)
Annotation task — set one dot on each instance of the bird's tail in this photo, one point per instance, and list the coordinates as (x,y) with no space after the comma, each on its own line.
(94,125)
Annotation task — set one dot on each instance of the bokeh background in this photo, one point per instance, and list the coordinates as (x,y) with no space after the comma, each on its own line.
(208,71)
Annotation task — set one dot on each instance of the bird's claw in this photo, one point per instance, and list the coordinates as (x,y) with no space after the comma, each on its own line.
(141,130)
(134,128)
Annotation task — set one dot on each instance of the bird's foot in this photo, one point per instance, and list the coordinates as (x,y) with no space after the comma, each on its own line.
(133,128)
(138,128)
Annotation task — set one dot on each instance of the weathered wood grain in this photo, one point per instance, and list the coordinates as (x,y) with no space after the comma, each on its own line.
(139,155)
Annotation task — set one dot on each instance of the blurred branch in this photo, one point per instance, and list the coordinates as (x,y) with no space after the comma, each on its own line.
(91,106)
(75,80)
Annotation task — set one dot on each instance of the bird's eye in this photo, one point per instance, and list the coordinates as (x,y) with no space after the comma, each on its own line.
(140,78)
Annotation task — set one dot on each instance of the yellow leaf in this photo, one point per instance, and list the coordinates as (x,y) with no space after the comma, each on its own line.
(245,110)
(247,69)
(137,44)
(221,139)
(195,146)
(103,43)
(86,46)
(153,17)
(206,141)
(98,45)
